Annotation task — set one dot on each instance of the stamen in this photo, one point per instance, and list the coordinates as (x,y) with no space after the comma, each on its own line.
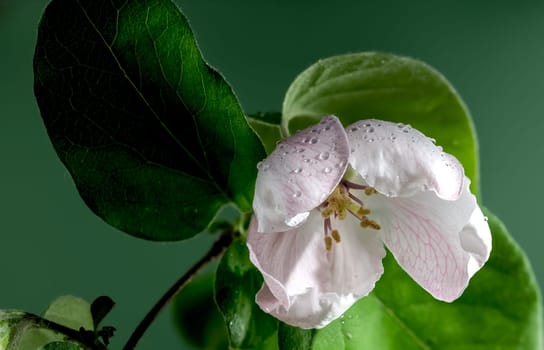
(328,243)
(353,185)
(341,202)
(336,235)
(370,191)
(366,222)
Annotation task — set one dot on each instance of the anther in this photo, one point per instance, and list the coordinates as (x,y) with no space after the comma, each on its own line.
(336,235)
(365,222)
(328,243)
(370,191)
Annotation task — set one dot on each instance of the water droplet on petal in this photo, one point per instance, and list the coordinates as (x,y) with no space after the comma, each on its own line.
(327,170)
(324,155)
(370,130)
(314,140)
(432,140)
(486,218)
(306,160)
(306,140)
(353,129)
(297,194)
(297,170)
(370,140)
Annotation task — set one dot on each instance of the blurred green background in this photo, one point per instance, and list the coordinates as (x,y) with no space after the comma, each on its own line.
(51,244)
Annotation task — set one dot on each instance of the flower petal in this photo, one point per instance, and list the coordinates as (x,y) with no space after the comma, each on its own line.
(299,175)
(398,160)
(439,243)
(306,285)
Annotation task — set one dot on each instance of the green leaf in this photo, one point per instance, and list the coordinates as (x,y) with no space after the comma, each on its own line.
(70,311)
(267,127)
(197,316)
(501,309)
(236,285)
(388,87)
(294,338)
(153,137)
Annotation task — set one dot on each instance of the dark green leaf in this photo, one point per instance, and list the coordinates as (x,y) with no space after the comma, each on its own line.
(154,138)
(501,309)
(236,285)
(387,87)
(267,127)
(100,307)
(197,316)
(294,338)
(62,345)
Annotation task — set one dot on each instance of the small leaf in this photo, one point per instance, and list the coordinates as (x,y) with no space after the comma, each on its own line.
(70,311)
(100,307)
(267,128)
(501,309)
(388,87)
(236,284)
(154,138)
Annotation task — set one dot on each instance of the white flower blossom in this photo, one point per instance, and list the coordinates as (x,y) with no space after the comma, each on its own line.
(328,199)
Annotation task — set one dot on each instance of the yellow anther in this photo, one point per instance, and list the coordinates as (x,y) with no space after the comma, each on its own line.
(362,212)
(365,222)
(370,191)
(328,243)
(336,235)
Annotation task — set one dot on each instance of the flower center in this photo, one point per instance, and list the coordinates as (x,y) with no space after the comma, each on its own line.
(342,202)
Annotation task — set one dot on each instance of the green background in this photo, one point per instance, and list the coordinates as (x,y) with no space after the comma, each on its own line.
(51,244)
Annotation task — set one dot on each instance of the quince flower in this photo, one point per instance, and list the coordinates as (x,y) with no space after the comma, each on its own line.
(326,202)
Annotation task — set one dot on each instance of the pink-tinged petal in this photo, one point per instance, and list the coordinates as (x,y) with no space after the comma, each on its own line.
(299,175)
(305,284)
(439,243)
(398,160)
(476,240)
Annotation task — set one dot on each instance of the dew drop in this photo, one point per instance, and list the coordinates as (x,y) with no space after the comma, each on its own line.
(300,150)
(314,140)
(352,150)
(341,164)
(259,165)
(297,170)
(370,140)
(349,336)
(368,125)
(432,140)
(370,130)
(486,218)
(306,160)
(306,140)
(324,155)
(353,129)
(400,125)
(327,128)
(327,170)
(297,194)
